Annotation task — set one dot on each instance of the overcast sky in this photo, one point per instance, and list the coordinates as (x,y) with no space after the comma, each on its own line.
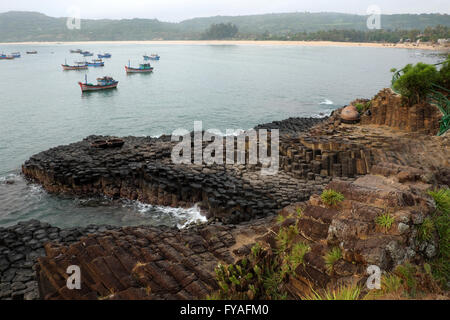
(177,10)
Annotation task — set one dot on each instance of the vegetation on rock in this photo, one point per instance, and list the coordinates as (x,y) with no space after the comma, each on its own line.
(263,273)
(331,197)
(331,257)
(385,221)
(441,264)
(416,82)
(342,292)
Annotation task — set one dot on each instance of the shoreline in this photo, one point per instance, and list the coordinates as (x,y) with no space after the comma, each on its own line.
(245,42)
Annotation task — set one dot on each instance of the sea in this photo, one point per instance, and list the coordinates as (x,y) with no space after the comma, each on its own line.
(224,86)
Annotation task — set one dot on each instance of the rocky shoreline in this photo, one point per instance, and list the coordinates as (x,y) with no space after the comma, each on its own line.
(142,170)
(22,244)
(382,162)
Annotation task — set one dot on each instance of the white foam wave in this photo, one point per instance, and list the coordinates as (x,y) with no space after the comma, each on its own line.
(326,102)
(184,217)
(11,177)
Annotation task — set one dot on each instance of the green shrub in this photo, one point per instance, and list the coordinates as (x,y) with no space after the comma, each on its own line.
(407,272)
(441,198)
(331,197)
(441,264)
(281,218)
(348,292)
(286,236)
(258,277)
(425,230)
(331,257)
(416,81)
(298,251)
(360,107)
(390,283)
(385,221)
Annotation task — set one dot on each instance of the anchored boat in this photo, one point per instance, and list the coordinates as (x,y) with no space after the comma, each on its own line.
(102,84)
(32,52)
(16,54)
(96,63)
(76,51)
(143,68)
(77,66)
(105,55)
(5,57)
(152,57)
(87,54)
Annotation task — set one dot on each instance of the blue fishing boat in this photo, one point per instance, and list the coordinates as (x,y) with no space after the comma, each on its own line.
(5,57)
(16,54)
(87,54)
(105,55)
(152,57)
(96,63)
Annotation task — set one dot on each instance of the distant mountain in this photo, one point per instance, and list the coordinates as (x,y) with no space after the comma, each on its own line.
(34,26)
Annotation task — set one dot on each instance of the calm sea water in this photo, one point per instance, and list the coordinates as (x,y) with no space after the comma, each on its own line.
(225,86)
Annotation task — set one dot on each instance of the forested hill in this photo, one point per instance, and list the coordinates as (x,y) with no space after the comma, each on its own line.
(33,26)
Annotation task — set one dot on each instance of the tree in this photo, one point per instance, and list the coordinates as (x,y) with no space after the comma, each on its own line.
(416,81)
(220,31)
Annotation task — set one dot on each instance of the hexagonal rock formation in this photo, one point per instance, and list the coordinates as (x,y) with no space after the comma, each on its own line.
(145,262)
(143,170)
(387,108)
(351,226)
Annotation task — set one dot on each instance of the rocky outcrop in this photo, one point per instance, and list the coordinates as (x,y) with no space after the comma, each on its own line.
(351,226)
(291,126)
(382,166)
(21,245)
(388,108)
(142,170)
(145,262)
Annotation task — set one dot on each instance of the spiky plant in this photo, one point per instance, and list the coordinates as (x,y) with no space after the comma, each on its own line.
(331,197)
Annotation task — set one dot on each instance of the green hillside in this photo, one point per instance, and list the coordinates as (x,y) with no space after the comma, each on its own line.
(33,26)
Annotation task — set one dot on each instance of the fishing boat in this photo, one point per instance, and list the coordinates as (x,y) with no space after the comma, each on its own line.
(87,54)
(96,63)
(102,84)
(76,51)
(32,52)
(5,57)
(77,66)
(16,54)
(143,67)
(105,55)
(152,57)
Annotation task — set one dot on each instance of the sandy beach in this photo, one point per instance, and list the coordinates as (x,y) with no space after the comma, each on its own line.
(424,46)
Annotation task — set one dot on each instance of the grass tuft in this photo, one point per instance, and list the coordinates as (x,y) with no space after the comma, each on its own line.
(331,257)
(343,292)
(385,221)
(331,197)
(425,230)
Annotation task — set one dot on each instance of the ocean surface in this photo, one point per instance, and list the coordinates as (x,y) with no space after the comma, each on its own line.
(225,86)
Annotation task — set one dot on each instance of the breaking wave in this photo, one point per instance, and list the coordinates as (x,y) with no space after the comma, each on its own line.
(183,217)
(326,102)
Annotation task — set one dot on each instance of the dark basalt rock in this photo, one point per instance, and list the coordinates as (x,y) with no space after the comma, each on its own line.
(21,245)
(141,169)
